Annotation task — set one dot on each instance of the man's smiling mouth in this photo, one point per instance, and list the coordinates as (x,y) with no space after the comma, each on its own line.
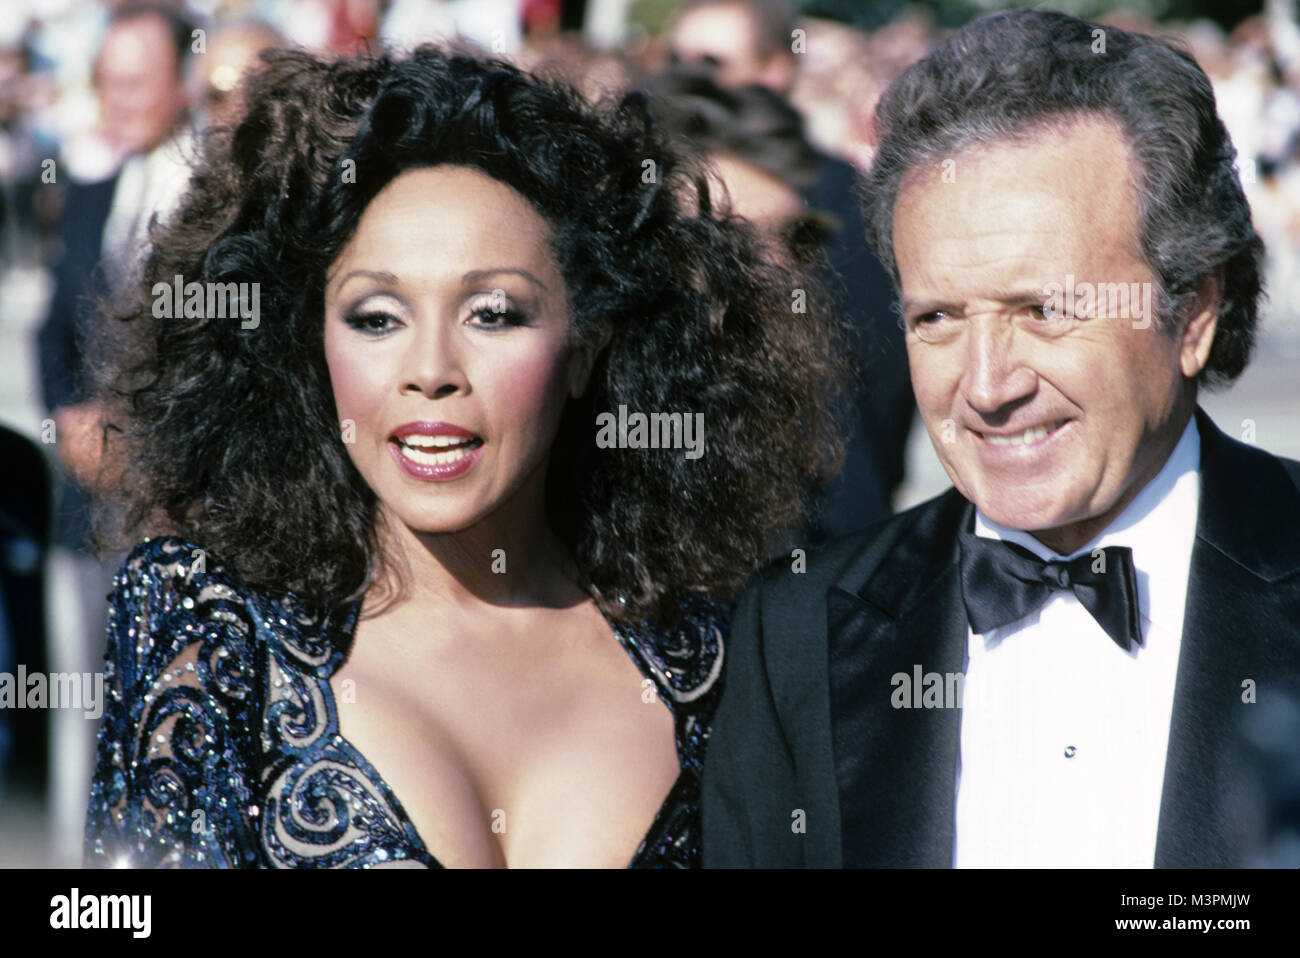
(1027,437)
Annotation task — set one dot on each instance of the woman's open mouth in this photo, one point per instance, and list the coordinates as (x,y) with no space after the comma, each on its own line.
(435,457)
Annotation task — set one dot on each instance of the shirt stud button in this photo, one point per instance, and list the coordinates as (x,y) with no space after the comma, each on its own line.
(1069,751)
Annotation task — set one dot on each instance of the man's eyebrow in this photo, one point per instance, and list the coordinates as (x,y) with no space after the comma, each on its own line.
(1028,293)
(911,306)
(476,275)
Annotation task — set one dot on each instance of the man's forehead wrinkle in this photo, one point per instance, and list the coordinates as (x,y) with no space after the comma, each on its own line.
(1002,272)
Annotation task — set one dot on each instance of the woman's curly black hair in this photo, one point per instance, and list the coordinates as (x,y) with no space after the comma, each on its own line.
(229,436)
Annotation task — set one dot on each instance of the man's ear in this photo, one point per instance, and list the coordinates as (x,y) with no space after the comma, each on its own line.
(1198,334)
(584,361)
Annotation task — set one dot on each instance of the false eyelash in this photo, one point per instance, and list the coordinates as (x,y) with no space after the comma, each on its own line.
(508,317)
(357,321)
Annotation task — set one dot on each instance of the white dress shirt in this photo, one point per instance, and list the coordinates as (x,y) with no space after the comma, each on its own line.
(147,183)
(1063,733)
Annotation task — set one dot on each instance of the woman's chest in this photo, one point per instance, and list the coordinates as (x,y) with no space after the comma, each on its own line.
(547,751)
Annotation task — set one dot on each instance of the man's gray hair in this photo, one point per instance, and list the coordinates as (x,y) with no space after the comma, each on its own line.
(1020,74)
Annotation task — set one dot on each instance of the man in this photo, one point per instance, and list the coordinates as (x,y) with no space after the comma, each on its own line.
(216,78)
(741,41)
(1088,690)
(749,42)
(139,77)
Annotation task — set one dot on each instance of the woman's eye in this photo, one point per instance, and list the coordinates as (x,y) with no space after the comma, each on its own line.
(369,322)
(497,314)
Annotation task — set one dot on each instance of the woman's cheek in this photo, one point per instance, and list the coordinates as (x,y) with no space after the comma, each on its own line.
(358,395)
(531,390)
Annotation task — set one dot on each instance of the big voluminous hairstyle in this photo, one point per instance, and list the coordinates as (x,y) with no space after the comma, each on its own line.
(229,436)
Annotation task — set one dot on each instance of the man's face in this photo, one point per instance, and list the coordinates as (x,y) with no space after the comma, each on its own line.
(722,39)
(219,74)
(138,83)
(1049,422)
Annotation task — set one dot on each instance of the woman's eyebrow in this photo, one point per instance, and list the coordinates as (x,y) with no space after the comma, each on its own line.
(388,279)
(477,275)
(473,276)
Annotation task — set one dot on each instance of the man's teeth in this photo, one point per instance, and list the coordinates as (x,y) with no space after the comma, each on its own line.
(1026,438)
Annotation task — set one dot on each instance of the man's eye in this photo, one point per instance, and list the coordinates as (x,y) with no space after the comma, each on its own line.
(931,318)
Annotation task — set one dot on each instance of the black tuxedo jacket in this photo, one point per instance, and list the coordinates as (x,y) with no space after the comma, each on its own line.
(809,764)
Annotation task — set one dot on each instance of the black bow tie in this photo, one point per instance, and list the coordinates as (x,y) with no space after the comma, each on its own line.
(1002,582)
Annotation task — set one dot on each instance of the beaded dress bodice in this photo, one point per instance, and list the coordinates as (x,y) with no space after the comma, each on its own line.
(220,743)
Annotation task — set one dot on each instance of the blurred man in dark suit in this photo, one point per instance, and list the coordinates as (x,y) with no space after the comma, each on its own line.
(745,42)
(1064,659)
(24,520)
(139,77)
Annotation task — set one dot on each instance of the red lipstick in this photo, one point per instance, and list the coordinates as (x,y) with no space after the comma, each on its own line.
(434,451)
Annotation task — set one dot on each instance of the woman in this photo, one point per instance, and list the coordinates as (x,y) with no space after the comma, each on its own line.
(407,607)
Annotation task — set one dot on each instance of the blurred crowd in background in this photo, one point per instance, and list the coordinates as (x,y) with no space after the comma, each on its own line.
(102,105)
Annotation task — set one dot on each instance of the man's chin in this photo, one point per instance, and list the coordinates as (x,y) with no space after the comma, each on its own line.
(1007,508)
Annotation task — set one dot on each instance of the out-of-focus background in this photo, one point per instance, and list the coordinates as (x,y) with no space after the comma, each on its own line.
(100,104)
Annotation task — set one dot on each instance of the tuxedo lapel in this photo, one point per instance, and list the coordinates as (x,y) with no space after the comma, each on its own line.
(893,618)
(1240,626)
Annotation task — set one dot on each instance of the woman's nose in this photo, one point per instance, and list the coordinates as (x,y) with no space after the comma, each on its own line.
(434,363)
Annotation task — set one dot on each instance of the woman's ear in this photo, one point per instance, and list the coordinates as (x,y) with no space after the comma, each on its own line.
(584,361)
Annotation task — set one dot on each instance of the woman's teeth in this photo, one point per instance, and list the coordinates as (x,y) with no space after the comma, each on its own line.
(449,449)
(1026,438)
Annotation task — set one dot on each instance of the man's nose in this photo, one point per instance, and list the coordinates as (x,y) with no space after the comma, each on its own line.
(434,364)
(995,374)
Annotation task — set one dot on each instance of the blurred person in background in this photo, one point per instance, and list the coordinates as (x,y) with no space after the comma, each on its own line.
(24,521)
(753,140)
(139,81)
(743,42)
(215,78)
(739,41)
(20,160)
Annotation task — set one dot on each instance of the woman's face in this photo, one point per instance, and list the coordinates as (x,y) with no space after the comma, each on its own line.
(446,319)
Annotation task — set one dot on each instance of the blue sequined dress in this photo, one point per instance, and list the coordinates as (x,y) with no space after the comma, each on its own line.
(220,746)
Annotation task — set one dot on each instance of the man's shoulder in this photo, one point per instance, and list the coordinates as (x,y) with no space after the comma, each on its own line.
(808,573)
(1293,470)
(1263,487)
(1218,443)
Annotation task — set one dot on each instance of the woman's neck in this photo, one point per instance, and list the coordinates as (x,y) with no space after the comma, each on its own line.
(511,558)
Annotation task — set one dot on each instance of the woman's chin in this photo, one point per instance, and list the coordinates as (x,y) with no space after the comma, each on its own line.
(440,519)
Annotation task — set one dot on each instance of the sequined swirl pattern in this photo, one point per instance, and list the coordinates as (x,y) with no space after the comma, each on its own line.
(220,744)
